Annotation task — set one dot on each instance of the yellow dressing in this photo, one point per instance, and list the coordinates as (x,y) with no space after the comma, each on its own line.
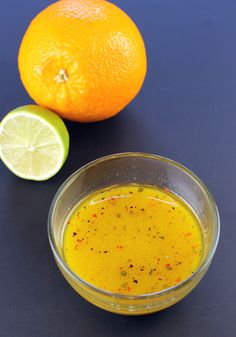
(133,239)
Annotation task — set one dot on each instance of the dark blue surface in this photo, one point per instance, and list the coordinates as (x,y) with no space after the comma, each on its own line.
(185,111)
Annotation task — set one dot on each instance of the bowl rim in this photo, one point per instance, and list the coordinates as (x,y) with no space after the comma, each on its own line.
(77,279)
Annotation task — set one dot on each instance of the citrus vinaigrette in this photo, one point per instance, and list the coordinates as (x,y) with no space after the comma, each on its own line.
(133,239)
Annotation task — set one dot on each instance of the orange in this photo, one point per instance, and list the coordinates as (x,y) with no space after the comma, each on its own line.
(84,59)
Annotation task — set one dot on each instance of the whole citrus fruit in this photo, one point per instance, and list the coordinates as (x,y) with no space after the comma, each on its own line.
(84,59)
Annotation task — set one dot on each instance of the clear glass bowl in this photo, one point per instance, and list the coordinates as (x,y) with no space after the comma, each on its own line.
(145,169)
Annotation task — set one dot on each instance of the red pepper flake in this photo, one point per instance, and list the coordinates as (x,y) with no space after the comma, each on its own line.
(119,247)
(189,234)
(129,289)
(113,201)
(94,215)
(68,222)
(166,189)
(178,279)
(168,266)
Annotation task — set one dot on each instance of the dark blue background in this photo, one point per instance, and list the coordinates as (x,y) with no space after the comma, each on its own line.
(185,111)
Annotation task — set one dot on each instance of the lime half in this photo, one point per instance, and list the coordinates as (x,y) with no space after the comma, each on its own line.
(34,142)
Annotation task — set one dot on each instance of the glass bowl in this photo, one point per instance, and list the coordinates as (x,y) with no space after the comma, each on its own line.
(144,169)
